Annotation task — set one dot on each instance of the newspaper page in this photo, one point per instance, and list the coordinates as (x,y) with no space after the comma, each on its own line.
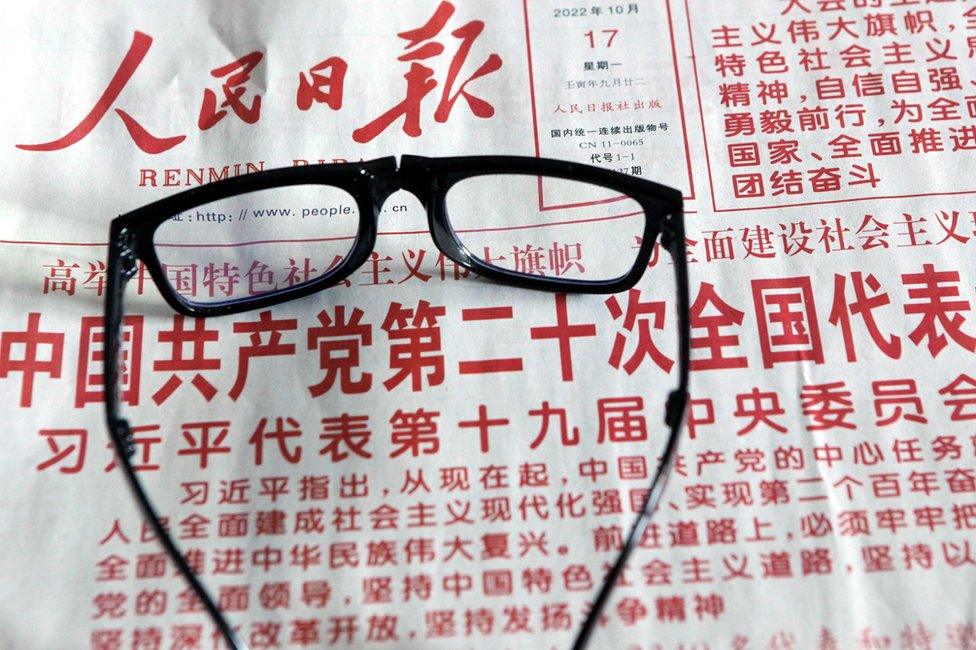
(422,458)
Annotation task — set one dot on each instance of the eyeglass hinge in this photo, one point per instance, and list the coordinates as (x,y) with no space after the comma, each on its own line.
(674,410)
(125,246)
(666,239)
(123,433)
(670,230)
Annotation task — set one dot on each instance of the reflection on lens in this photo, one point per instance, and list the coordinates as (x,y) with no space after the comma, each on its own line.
(548,227)
(256,243)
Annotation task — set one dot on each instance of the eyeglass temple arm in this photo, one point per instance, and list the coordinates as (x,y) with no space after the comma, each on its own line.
(672,239)
(121,267)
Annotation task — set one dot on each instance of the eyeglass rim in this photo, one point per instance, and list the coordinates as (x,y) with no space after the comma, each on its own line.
(370,183)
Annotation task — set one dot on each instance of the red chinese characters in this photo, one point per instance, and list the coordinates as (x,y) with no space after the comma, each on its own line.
(68,448)
(787,319)
(321,83)
(823,104)
(180,339)
(653,315)
(420,78)
(41,354)
(863,306)
(238,73)
(938,303)
(415,341)
(480,366)
(324,84)
(564,333)
(143,138)
(90,384)
(266,324)
(713,315)
(339,341)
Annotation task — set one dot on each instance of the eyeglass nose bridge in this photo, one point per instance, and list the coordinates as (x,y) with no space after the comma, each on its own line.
(381,177)
(417,175)
(386,176)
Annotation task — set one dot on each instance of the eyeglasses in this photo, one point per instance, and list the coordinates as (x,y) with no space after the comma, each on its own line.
(273,236)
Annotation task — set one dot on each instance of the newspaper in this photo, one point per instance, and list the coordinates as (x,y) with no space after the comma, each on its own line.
(422,458)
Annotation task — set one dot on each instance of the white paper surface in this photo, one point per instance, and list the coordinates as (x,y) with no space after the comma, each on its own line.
(788,535)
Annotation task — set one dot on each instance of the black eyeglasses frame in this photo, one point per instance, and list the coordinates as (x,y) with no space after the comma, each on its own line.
(371,183)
